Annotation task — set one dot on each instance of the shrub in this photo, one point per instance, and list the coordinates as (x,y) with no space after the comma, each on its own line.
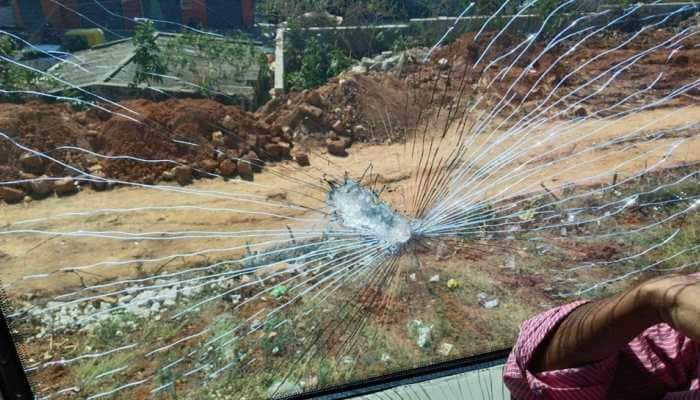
(147,57)
(12,76)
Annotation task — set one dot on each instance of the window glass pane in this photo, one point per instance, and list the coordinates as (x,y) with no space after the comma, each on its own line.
(245,200)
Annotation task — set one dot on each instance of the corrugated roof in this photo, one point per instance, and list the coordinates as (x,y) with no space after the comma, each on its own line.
(111,64)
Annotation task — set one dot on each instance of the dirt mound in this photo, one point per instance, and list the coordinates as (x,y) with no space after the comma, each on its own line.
(206,136)
(449,72)
(366,108)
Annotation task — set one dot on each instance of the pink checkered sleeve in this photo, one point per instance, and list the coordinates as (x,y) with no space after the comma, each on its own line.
(659,363)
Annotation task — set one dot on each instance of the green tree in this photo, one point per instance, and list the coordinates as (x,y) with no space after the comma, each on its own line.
(12,76)
(148,58)
(212,62)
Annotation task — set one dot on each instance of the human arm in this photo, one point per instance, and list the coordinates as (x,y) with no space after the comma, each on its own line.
(597,330)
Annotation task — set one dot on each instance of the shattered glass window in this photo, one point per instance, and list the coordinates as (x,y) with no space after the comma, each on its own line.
(249,200)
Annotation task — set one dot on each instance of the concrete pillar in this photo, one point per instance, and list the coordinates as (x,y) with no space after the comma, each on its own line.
(279,59)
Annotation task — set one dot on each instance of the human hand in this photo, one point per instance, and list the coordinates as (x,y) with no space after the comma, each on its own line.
(676,298)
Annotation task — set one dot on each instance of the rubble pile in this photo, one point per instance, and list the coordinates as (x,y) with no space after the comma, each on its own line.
(351,108)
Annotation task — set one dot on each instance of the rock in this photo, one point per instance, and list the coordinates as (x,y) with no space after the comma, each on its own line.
(182,174)
(359,129)
(229,124)
(442,252)
(315,99)
(65,187)
(337,148)
(280,389)
(217,139)
(338,126)
(278,150)
(302,159)
(581,112)
(28,199)
(167,176)
(443,64)
(209,166)
(100,185)
(255,162)
(347,360)
(435,278)
(488,302)
(41,186)
(423,332)
(311,111)
(445,349)
(358,69)
(228,168)
(245,170)
(32,163)
(413,277)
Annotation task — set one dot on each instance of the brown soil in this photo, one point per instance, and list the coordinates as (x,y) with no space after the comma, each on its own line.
(674,68)
(149,133)
(364,108)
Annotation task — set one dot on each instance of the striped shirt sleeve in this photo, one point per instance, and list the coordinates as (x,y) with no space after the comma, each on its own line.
(584,383)
(659,363)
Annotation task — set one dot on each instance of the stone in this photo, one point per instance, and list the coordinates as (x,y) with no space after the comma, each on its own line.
(32,163)
(228,168)
(278,150)
(65,187)
(338,126)
(255,162)
(302,159)
(488,302)
(337,148)
(443,64)
(209,166)
(41,186)
(424,336)
(167,176)
(445,349)
(182,174)
(311,111)
(100,185)
(245,170)
(435,278)
(442,252)
(359,129)
(315,99)
(229,123)
(280,389)
(580,112)
(358,69)
(217,139)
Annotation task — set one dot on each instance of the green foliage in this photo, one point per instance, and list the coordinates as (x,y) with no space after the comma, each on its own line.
(12,76)
(211,62)
(351,10)
(147,57)
(315,65)
(264,82)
